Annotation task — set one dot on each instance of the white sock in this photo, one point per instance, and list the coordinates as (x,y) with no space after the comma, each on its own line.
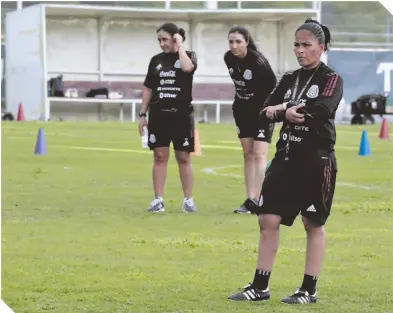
(160,198)
(185,199)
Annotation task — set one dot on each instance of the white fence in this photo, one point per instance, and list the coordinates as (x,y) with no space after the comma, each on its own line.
(132,103)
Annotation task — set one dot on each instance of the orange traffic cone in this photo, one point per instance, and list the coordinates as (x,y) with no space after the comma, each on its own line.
(197,141)
(384,132)
(21,114)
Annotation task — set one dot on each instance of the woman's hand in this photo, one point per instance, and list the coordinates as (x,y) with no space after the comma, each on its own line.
(271,110)
(292,116)
(178,40)
(142,123)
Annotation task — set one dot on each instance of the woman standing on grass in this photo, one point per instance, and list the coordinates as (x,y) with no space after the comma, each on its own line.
(254,80)
(302,175)
(168,94)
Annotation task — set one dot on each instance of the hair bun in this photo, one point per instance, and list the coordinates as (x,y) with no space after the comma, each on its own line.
(310,20)
(182,33)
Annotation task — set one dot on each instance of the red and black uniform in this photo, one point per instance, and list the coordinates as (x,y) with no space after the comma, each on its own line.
(302,174)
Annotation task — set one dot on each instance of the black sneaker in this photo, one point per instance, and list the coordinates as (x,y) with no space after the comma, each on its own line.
(249,293)
(244,207)
(300,297)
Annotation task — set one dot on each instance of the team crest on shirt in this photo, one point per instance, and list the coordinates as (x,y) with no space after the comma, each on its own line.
(231,71)
(247,74)
(288,94)
(159,66)
(177,64)
(313,92)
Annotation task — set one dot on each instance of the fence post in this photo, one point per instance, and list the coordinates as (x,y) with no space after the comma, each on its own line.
(121,112)
(133,107)
(205,113)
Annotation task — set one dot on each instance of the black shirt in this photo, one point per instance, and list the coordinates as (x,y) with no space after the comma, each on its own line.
(253,77)
(171,87)
(321,97)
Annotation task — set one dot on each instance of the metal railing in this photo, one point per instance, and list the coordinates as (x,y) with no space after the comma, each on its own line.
(133,103)
(205,103)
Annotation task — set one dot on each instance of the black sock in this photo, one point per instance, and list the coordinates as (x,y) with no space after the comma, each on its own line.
(261,279)
(309,283)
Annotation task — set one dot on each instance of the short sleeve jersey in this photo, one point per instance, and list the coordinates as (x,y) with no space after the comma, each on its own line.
(171,86)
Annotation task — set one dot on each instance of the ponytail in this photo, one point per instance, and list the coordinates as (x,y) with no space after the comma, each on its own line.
(251,44)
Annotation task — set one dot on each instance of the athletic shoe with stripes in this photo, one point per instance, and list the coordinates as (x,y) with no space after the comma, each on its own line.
(157,205)
(300,297)
(249,293)
(189,205)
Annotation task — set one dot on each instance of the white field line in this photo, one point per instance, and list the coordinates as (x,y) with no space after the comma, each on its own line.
(111,149)
(215,171)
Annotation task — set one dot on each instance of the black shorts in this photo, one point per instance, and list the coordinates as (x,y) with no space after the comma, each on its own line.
(289,189)
(248,126)
(166,127)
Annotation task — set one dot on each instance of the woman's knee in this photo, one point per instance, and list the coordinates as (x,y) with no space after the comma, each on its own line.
(183,157)
(160,157)
(260,151)
(311,226)
(248,153)
(248,148)
(269,222)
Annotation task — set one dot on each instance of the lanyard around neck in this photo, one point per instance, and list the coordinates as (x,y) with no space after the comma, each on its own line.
(305,86)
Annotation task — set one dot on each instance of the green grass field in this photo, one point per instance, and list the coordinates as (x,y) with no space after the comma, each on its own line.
(76,236)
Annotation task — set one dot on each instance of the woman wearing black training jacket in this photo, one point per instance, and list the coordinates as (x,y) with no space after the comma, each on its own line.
(254,80)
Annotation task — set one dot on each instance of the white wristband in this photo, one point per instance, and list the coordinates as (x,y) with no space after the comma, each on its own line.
(284,105)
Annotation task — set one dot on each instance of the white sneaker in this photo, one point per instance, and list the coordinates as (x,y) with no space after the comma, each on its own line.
(157,205)
(189,205)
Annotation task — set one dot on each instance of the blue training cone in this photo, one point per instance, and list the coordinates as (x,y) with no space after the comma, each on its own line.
(40,145)
(364,149)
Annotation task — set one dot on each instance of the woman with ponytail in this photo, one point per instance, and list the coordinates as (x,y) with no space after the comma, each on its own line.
(167,94)
(254,80)
(302,175)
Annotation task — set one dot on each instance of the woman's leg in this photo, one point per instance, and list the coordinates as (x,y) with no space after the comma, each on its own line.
(185,171)
(268,246)
(161,156)
(260,152)
(314,257)
(269,241)
(183,144)
(160,164)
(314,254)
(249,167)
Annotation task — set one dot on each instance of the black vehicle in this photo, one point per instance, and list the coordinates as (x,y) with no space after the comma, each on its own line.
(366,106)
(6,116)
